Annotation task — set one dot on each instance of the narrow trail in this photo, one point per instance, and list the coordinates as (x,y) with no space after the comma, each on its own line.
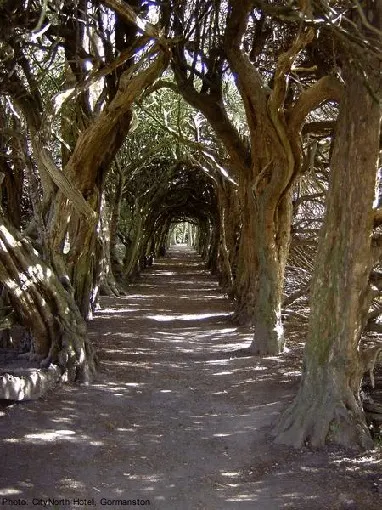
(172,418)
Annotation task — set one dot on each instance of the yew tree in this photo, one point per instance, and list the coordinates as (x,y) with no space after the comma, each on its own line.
(328,406)
(71,71)
(235,42)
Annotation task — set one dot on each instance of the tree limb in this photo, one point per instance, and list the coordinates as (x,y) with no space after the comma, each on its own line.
(284,64)
(63,97)
(318,127)
(296,295)
(250,82)
(99,142)
(327,88)
(62,182)
(127,14)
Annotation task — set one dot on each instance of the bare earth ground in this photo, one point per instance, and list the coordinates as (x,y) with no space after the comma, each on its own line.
(174,421)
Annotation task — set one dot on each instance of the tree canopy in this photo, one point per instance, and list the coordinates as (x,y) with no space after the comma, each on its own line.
(253,122)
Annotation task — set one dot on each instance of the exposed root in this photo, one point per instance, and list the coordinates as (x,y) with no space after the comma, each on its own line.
(321,421)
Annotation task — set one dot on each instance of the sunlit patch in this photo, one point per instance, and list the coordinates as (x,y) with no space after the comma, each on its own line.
(144,478)
(114,351)
(40,272)
(15,289)
(116,363)
(309,469)
(366,459)
(268,404)
(293,373)
(221,434)
(9,491)
(9,237)
(112,311)
(70,483)
(203,296)
(230,473)
(362,460)
(165,391)
(26,483)
(241,497)
(186,316)
(82,356)
(275,358)
(227,372)
(50,436)
(215,362)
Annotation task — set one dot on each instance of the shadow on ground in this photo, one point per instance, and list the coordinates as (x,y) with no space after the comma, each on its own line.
(173,418)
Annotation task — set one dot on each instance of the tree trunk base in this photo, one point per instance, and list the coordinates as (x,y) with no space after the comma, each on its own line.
(268,341)
(76,359)
(263,350)
(245,352)
(243,316)
(323,420)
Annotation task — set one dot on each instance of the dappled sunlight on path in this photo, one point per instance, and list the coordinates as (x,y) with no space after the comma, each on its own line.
(173,418)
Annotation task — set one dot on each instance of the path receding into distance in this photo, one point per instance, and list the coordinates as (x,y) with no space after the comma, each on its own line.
(173,419)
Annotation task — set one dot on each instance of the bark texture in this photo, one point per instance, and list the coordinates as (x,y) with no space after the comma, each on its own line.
(86,170)
(265,166)
(46,306)
(327,407)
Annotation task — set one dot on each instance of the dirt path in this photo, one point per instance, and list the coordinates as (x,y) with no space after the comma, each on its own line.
(173,421)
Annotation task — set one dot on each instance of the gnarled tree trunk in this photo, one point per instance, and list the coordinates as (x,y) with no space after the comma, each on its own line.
(272,238)
(107,284)
(86,169)
(46,306)
(246,271)
(328,407)
(227,201)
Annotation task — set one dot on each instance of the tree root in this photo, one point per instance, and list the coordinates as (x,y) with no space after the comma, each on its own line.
(324,420)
